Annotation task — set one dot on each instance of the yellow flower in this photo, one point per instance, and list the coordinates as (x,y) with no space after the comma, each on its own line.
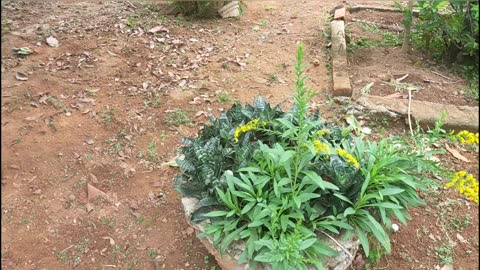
(466,137)
(348,157)
(251,125)
(321,147)
(323,132)
(465,184)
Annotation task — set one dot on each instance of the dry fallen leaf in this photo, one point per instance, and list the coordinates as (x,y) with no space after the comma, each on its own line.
(456,154)
(112,242)
(158,28)
(33,118)
(461,239)
(93,192)
(21,76)
(196,100)
(43,99)
(92,178)
(88,100)
(447,267)
(89,207)
(201,113)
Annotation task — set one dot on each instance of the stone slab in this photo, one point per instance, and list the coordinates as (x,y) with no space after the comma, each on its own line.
(426,113)
(356,8)
(230,10)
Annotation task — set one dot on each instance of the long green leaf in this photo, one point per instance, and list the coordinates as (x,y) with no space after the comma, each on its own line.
(363,240)
(216,214)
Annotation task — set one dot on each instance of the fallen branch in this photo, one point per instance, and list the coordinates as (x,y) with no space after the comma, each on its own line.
(457,81)
(130,4)
(10,86)
(399,80)
(409,111)
(67,248)
(383,26)
(431,81)
(443,76)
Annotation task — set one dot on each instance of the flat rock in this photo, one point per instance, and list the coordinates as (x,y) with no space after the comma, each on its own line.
(52,42)
(427,113)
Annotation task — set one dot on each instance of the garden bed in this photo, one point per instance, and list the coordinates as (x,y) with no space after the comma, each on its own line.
(229,260)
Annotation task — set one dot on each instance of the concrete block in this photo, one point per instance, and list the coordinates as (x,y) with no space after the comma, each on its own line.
(340,78)
(339,14)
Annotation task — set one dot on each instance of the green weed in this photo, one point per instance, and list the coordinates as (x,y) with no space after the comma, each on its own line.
(152,253)
(177,117)
(223,97)
(445,254)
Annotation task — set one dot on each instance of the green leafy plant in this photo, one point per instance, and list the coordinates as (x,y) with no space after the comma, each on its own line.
(273,180)
(223,97)
(449,27)
(448,30)
(202,9)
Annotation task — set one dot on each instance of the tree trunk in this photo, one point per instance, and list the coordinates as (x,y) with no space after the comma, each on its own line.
(408,27)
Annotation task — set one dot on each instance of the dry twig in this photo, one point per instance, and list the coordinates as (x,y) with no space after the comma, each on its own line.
(338,244)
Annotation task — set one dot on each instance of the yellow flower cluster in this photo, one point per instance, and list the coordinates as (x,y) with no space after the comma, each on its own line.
(349,158)
(466,137)
(466,185)
(252,125)
(321,147)
(323,132)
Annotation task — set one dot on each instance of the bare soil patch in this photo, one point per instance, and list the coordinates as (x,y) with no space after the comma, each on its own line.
(375,56)
(108,107)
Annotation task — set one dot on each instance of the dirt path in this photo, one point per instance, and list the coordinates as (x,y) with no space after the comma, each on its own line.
(101,109)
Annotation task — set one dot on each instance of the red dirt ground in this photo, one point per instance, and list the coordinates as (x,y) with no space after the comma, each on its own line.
(97,110)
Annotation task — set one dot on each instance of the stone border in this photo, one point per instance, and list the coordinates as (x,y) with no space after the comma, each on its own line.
(341,81)
(426,113)
(356,8)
